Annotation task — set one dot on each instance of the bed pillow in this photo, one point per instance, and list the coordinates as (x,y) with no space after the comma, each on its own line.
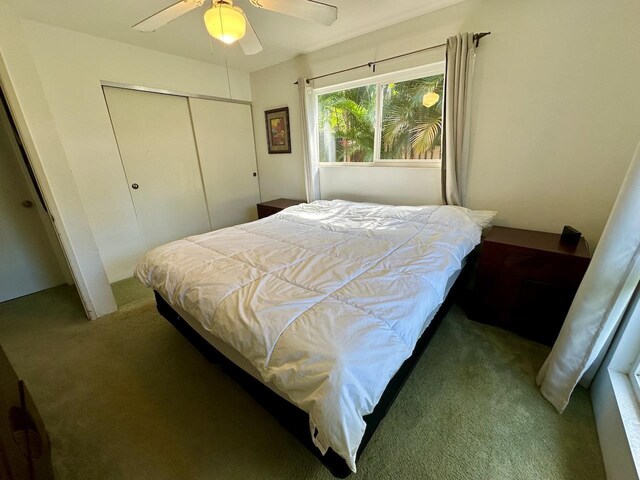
(482,218)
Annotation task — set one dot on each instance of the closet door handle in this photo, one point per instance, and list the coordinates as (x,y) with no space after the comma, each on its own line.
(135,186)
(255,174)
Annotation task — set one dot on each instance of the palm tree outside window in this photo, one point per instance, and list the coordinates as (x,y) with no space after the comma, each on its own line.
(385,121)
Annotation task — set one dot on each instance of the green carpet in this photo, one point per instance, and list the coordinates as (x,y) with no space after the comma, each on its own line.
(127,397)
(129,290)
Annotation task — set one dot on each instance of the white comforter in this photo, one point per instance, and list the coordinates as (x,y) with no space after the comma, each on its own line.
(325,299)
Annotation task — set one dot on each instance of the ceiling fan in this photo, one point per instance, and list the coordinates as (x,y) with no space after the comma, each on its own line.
(229,23)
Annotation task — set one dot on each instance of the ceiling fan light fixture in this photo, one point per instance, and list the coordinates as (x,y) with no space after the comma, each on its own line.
(225,22)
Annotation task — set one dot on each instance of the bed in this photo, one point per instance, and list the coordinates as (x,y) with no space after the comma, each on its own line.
(320,311)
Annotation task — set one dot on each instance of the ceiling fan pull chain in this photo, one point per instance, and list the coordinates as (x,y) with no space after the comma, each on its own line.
(226,65)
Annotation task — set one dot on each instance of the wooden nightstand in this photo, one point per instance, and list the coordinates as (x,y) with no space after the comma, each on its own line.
(266,209)
(526,281)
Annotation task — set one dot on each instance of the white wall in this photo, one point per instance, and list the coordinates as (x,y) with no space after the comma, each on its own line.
(556,112)
(71,66)
(34,120)
(389,185)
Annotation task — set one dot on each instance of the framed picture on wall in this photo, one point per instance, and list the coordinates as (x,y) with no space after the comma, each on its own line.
(278,137)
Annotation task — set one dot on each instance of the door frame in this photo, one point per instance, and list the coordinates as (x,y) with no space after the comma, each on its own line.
(26,170)
(94,290)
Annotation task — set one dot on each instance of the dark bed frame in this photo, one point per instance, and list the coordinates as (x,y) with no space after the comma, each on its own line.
(291,417)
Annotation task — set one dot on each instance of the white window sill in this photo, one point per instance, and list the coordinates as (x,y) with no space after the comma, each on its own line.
(629,412)
(617,414)
(436,164)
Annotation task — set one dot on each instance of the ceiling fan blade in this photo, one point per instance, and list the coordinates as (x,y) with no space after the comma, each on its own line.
(163,17)
(250,43)
(311,10)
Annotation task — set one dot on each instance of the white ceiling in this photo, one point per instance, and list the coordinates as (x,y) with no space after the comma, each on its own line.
(283,37)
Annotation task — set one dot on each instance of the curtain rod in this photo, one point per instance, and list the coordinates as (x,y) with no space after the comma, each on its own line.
(476,39)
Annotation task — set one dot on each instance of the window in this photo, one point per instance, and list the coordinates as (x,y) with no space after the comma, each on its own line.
(393,119)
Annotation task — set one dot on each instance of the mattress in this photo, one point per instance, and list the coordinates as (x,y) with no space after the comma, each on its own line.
(322,302)
(241,362)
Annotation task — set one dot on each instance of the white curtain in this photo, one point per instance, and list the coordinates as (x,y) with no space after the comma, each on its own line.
(601,299)
(460,58)
(309,149)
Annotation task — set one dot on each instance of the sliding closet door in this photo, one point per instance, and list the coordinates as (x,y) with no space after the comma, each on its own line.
(224,135)
(160,159)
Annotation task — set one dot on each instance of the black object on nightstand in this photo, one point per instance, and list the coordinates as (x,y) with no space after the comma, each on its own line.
(266,209)
(570,236)
(526,281)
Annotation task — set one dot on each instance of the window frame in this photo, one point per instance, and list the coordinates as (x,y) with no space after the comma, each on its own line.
(626,358)
(634,377)
(437,68)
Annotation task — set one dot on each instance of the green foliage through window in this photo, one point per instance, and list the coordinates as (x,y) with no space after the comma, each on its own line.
(409,129)
(346,124)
